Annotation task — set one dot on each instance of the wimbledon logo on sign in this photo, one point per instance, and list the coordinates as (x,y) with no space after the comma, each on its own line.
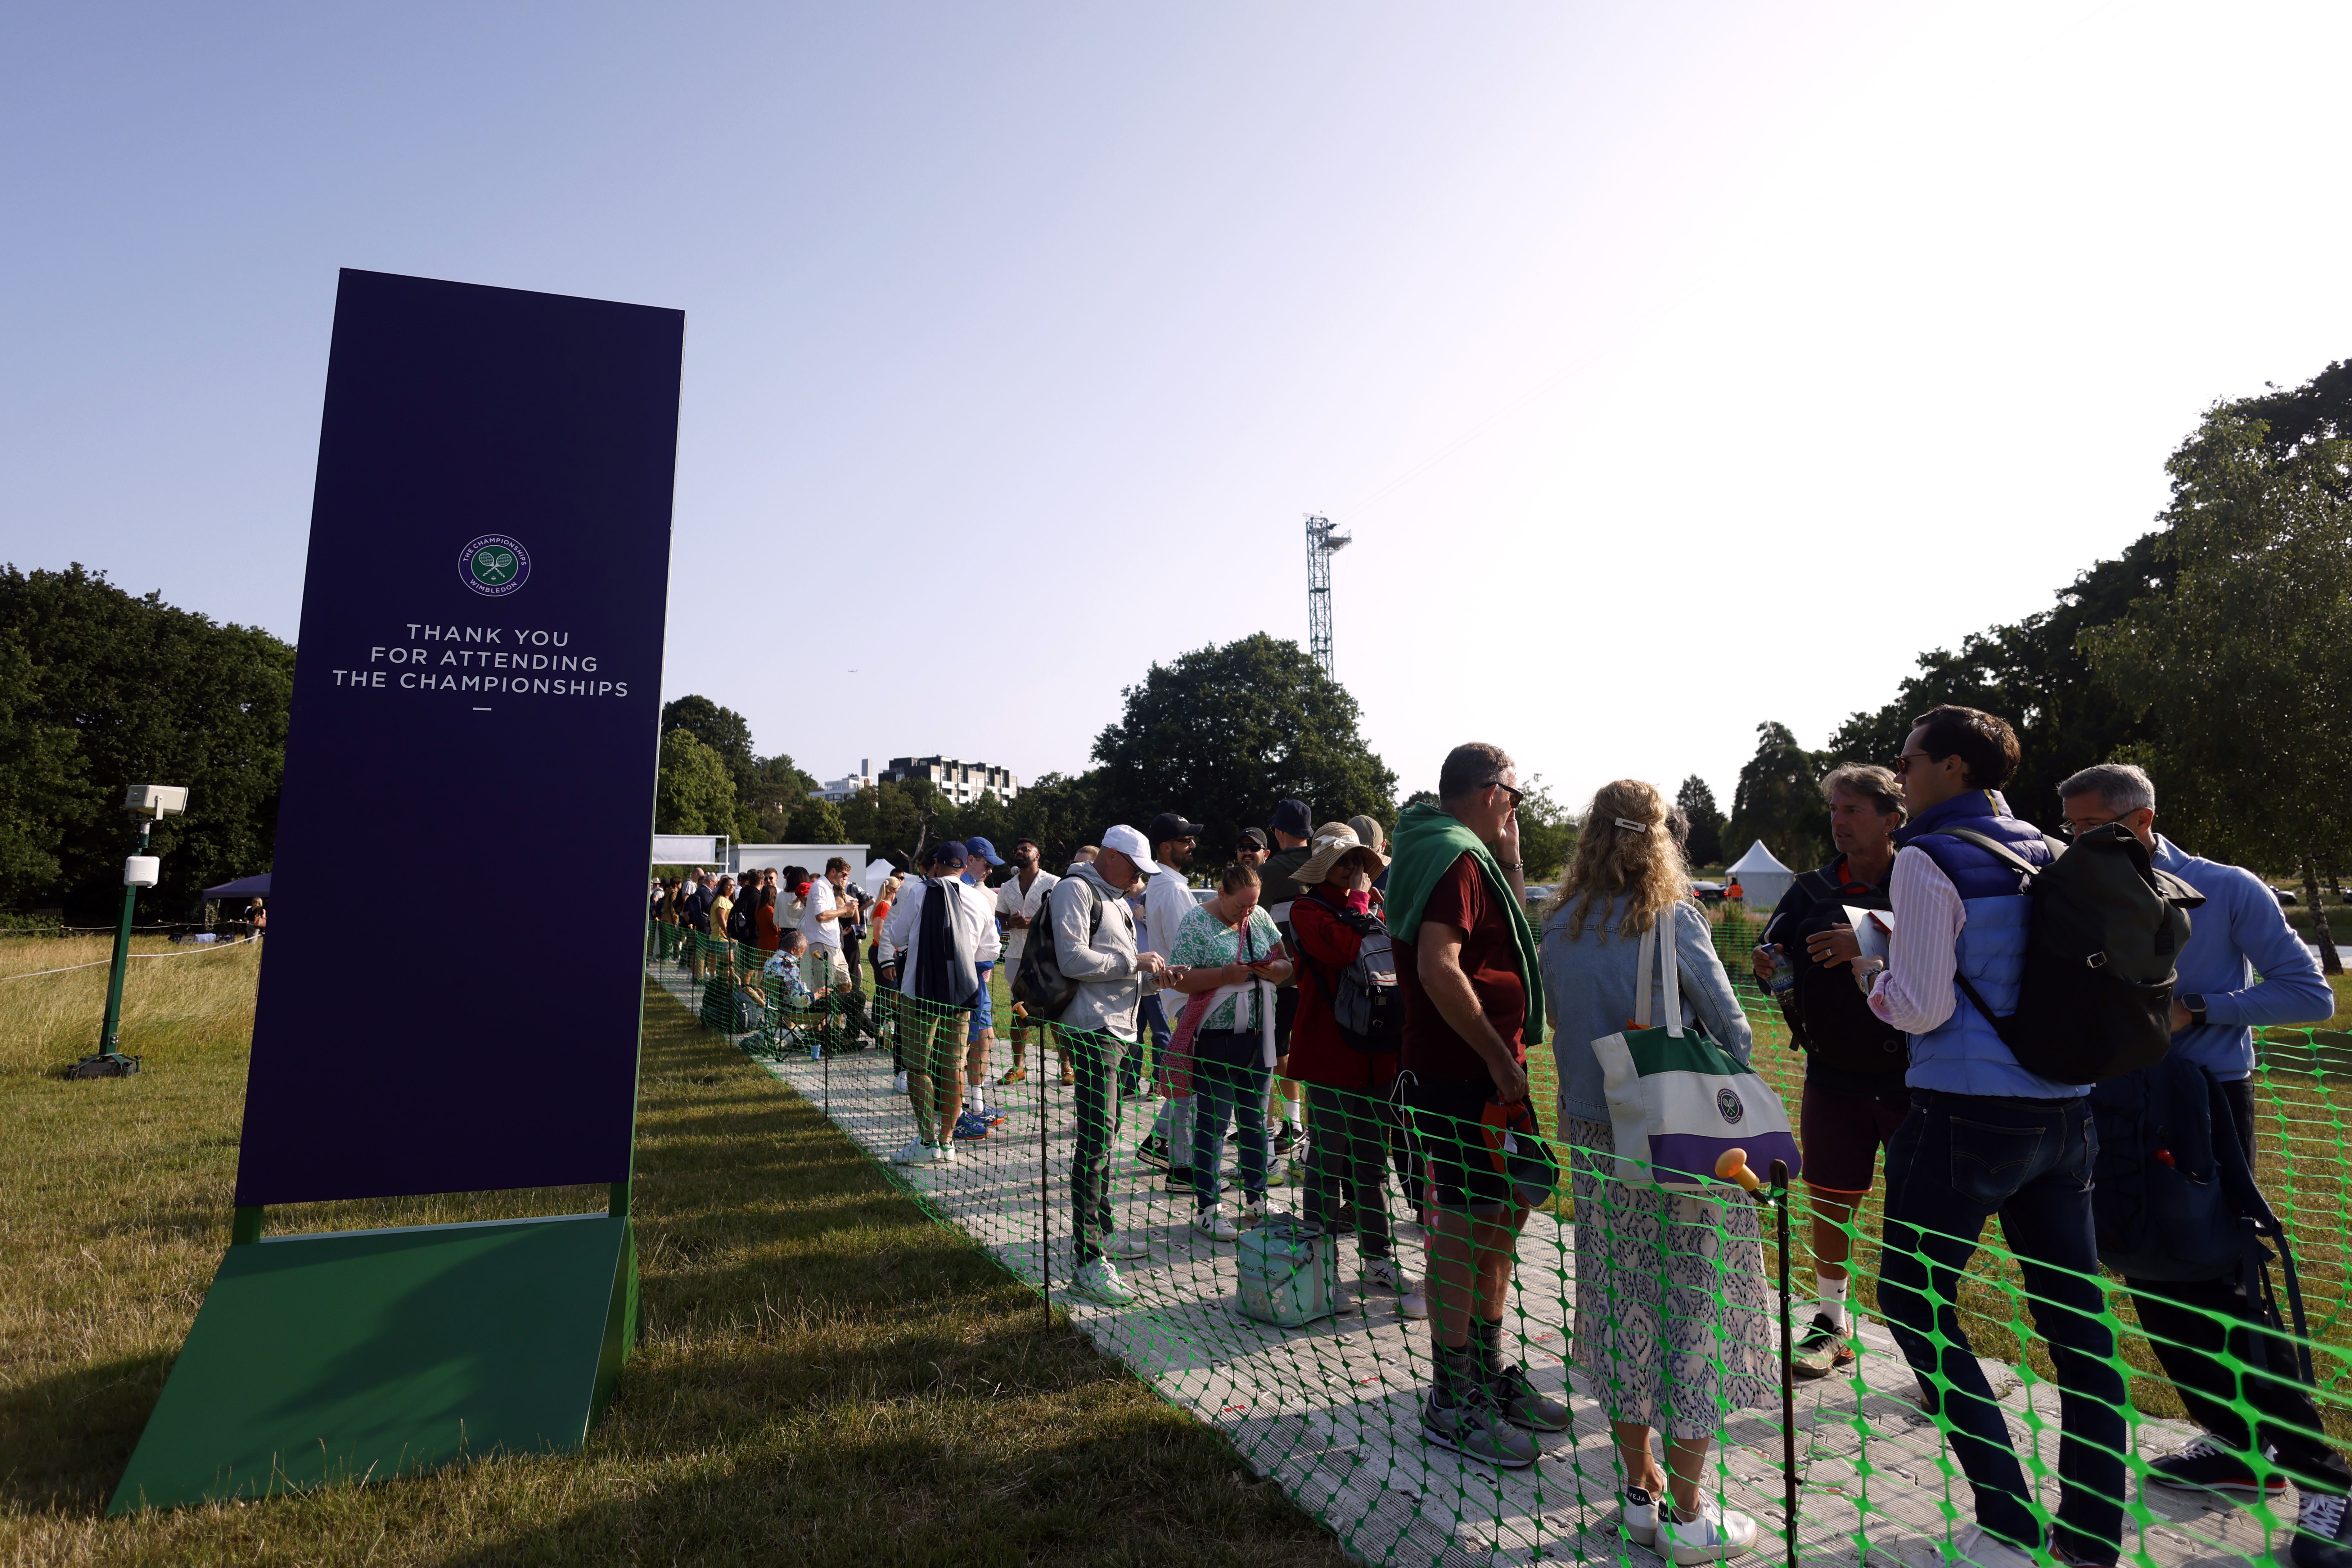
(494,565)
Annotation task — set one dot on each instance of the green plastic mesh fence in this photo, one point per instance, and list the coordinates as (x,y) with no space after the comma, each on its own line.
(1264,1254)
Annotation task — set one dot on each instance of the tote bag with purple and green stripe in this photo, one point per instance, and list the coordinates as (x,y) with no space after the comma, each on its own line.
(1677,1099)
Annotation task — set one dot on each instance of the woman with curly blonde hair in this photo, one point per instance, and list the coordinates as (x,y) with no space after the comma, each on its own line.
(1672,1325)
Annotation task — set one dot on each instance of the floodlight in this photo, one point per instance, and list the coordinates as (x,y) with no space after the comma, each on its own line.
(163,800)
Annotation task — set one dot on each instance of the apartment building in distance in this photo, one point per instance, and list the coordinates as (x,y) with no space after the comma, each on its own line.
(839,790)
(962,783)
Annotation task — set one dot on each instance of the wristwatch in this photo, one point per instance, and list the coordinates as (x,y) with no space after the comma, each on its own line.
(2195,1006)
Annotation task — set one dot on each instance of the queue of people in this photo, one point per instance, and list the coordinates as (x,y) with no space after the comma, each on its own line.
(1370,1004)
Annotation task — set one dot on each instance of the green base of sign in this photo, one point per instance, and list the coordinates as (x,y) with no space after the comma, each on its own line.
(375,1354)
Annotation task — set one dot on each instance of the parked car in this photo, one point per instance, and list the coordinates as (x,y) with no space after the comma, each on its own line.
(1537,893)
(1707,892)
(2285,895)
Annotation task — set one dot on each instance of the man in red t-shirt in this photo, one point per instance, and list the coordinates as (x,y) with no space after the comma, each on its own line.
(1464,985)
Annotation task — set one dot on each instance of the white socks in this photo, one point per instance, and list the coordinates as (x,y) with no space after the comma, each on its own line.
(973,1099)
(1833,1301)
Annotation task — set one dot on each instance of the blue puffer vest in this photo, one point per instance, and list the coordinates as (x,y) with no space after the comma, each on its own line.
(1963,1055)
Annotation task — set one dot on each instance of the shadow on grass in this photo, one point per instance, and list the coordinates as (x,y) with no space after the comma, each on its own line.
(65,1438)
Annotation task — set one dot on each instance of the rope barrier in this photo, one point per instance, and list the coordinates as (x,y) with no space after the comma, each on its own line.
(102,963)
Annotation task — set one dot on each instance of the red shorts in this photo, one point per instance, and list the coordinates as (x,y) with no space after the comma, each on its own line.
(1841,1133)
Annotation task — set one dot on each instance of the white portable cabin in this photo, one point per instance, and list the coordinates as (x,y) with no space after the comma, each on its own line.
(1761,877)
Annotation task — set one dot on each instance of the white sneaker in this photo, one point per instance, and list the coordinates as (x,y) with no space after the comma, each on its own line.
(1717,1533)
(1099,1281)
(1974,1547)
(1254,1213)
(916,1152)
(899,1084)
(1214,1223)
(1127,1244)
(1383,1274)
(1637,1516)
(943,1154)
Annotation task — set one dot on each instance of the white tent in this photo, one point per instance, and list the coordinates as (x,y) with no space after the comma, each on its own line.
(1761,877)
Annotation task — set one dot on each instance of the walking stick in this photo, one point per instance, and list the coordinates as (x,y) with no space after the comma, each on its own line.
(1733,1167)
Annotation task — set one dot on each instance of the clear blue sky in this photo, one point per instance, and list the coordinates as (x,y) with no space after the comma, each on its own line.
(1623,336)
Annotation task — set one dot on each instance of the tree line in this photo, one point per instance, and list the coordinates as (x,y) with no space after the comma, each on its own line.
(2216,652)
(1219,733)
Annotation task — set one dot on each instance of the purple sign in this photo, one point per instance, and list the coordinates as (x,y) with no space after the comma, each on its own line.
(451,987)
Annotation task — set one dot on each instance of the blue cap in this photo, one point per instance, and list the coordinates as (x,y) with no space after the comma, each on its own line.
(984,848)
(949,853)
(1291,817)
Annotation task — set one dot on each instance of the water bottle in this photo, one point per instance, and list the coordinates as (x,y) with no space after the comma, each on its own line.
(1783,978)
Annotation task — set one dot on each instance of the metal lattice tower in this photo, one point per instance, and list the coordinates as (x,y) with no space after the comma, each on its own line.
(1320,543)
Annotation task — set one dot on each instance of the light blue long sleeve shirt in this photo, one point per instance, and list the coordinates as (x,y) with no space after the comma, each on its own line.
(1588,994)
(2238,934)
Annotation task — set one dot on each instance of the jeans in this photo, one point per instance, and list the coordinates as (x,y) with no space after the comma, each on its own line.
(2189,1344)
(1350,1134)
(1095,1054)
(1956,1159)
(1223,1094)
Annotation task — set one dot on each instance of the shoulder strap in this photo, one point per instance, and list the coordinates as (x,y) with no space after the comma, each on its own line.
(1993,846)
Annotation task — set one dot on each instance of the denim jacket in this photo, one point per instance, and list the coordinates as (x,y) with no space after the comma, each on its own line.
(1589,990)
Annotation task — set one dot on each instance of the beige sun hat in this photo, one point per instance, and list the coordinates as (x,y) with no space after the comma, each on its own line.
(1334,842)
(1369,830)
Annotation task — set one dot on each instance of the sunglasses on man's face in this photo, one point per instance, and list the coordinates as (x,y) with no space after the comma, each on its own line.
(1516,795)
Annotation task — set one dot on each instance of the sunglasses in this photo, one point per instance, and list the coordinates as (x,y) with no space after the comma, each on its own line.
(1902,764)
(1516,795)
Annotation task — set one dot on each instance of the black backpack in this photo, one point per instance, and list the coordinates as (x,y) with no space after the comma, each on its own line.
(1829,1016)
(1039,988)
(1366,1005)
(2174,1197)
(2094,1001)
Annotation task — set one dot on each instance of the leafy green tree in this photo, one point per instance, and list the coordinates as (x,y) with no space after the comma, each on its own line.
(692,793)
(1225,732)
(1697,801)
(1060,811)
(1548,832)
(722,729)
(1779,800)
(2035,675)
(817,822)
(2249,657)
(150,694)
(39,780)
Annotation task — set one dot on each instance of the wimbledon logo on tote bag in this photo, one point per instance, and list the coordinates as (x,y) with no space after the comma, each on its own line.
(1676,1099)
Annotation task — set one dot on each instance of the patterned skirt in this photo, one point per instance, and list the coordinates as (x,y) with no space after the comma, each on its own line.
(1674,1323)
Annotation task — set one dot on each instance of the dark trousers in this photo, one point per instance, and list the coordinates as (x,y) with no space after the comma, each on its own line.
(1095,1055)
(1351,1136)
(2192,1324)
(1956,1159)
(1151,1020)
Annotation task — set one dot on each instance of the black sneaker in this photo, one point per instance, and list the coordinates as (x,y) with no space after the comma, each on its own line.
(1286,1140)
(2206,1465)
(1181,1182)
(1153,1151)
(1820,1349)
(1521,1403)
(2320,1533)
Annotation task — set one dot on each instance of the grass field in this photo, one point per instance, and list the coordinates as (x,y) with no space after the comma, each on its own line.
(827,1377)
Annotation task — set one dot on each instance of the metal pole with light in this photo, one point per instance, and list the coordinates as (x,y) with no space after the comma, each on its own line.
(141,871)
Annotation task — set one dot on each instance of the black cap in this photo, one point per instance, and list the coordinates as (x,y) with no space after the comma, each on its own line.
(1255,836)
(1292,817)
(1170,825)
